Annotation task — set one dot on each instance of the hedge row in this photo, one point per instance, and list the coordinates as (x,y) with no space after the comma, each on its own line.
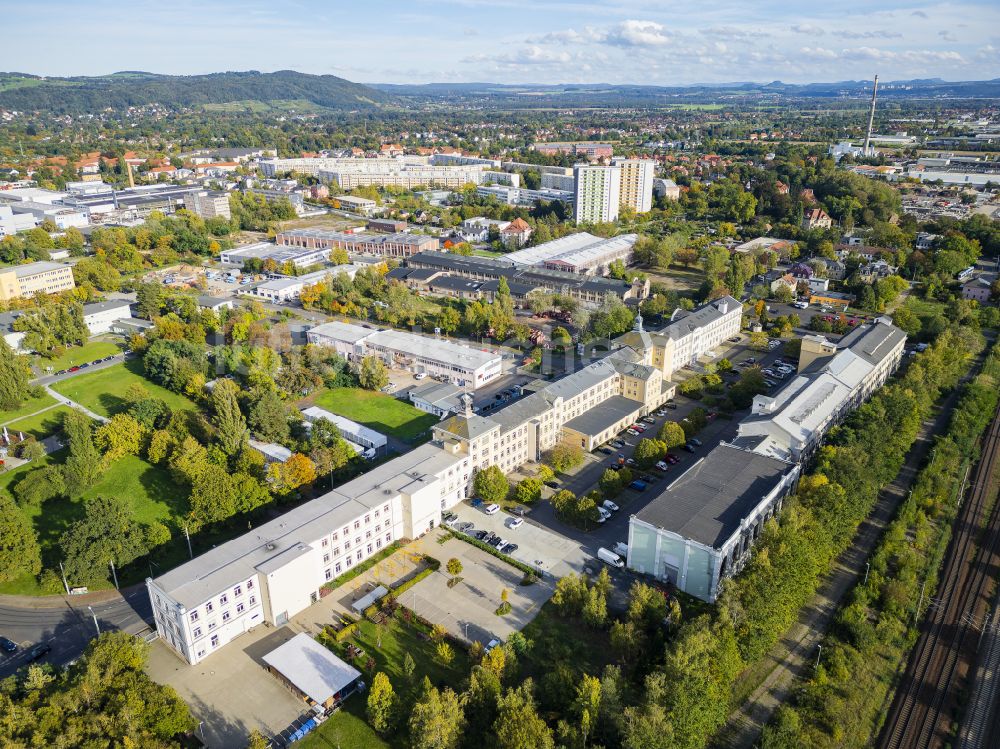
(525,568)
(363,567)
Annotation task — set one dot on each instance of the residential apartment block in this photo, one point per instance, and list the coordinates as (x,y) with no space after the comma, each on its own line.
(587,149)
(209,205)
(597,193)
(35,278)
(636,191)
(401,245)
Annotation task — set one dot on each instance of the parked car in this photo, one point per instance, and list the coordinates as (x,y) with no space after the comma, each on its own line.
(609,557)
(609,505)
(508,548)
(492,644)
(480,535)
(515,523)
(491,509)
(661,413)
(477,502)
(61,372)
(8,646)
(649,419)
(39,651)
(552,484)
(465,527)
(606,451)
(671,406)
(621,549)
(602,515)
(750,360)
(672,459)
(662,465)
(689,447)
(695,441)
(801,305)
(638,486)
(734,339)
(618,444)
(74,369)
(419,375)
(630,461)
(498,543)
(633,432)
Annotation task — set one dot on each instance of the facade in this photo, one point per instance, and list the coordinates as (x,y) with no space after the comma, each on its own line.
(592,151)
(11,223)
(816,218)
(580,253)
(462,365)
(832,299)
(100,316)
(386,225)
(210,205)
(833,379)
(700,529)
(400,245)
(558,181)
(666,188)
(516,233)
(478,229)
(597,193)
(523,196)
(35,278)
(636,191)
(977,289)
(364,206)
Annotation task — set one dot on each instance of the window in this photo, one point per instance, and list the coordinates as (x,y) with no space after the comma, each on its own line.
(238,591)
(336,568)
(347,561)
(194,616)
(336,551)
(357,541)
(225,616)
(346,530)
(201,653)
(325,543)
(368,519)
(347,545)
(197,632)
(368,534)
(239,608)
(358,555)
(215,641)
(209,606)
(249,584)
(385,508)
(378,543)
(223,599)
(369,548)
(376,513)
(212,625)
(329,574)
(253,600)
(357,524)
(336,536)
(326,558)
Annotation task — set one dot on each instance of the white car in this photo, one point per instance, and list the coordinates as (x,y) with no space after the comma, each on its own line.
(662,466)
(801,305)
(604,515)
(419,375)
(491,509)
(515,523)
(609,505)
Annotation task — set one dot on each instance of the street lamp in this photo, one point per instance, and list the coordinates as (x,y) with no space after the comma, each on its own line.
(96,625)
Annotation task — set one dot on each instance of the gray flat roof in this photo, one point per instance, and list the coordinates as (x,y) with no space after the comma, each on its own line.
(93,309)
(708,501)
(606,414)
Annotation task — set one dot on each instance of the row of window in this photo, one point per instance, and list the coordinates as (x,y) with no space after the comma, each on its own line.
(222,600)
(226,616)
(347,562)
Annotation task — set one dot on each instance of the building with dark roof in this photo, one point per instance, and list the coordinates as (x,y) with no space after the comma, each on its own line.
(700,529)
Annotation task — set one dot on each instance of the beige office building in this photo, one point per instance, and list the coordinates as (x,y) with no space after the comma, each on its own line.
(34,278)
(636,183)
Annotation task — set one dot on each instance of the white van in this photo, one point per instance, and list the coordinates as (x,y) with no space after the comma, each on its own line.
(609,557)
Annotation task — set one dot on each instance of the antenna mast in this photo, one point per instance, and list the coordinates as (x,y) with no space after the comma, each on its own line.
(871,120)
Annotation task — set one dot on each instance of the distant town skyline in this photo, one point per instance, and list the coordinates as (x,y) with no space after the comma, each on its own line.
(512,41)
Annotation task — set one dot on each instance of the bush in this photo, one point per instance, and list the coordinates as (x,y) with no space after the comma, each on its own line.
(492,551)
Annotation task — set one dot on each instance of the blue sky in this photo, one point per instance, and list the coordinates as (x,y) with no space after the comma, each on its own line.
(511,41)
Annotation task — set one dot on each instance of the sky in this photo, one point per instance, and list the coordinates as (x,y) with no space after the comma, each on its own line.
(661,42)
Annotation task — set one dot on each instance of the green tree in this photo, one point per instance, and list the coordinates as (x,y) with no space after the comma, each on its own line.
(454,566)
(257,740)
(648,451)
(518,725)
(107,533)
(672,435)
(269,417)
(436,719)
(83,466)
(381,707)
(372,374)
(229,421)
(587,706)
(564,457)
(14,378)
(610,483)
(528,490)
(19,552)
(491,485)
(120,436)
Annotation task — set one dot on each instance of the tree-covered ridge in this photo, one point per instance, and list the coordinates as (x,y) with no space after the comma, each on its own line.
(79,94)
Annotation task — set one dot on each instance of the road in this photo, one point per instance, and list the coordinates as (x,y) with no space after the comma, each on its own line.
(66,623)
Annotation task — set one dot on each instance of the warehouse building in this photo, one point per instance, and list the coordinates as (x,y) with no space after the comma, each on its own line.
(300,257)
(462,365)
(580,253)
(401,245)
(700,529)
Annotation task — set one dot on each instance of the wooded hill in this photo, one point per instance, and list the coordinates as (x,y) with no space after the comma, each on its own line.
(25,92)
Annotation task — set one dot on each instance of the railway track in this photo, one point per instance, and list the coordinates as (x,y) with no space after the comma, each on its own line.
(919,715)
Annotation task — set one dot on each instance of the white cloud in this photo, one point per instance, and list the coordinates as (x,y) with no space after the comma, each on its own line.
(808,28)
(947,36)
(867,34)
(638,34)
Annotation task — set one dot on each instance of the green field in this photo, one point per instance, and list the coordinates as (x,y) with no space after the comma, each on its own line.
(30,406)
(151,491)
(40,425)
(77,355)
(102,391)
(378,411)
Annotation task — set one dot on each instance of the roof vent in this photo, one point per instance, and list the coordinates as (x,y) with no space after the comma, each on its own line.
(270,546)
(388,491)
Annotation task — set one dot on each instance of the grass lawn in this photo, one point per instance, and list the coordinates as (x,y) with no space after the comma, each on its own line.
(346,728)
(77,355)
(101,391)
(28,407)
(924,308)
(378,411)
(150,490)
(40,425)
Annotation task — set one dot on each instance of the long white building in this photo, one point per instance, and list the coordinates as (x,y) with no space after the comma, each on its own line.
(577,253)
(403,171)
(463,365)
(277,570)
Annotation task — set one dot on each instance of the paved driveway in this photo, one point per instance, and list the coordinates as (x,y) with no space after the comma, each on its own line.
(467,610)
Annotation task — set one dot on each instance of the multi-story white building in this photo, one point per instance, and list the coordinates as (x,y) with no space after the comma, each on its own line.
(209,204)
(100,316)
(597,193)
(463,365)
(288,289)
(524,196)
(404,171)
(565,182)
(636,183)
(11,223)
(833,379)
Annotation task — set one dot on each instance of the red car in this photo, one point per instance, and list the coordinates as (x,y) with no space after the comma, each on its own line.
(74,369)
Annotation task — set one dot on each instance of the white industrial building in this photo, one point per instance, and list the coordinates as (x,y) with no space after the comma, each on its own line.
(288,289)
(577,253)
(462,365)
(300,257)
(100,316)
(439,398)
(11,223)
(351,431)
(277,569)
(833,379)
(700,529)
(523,196)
